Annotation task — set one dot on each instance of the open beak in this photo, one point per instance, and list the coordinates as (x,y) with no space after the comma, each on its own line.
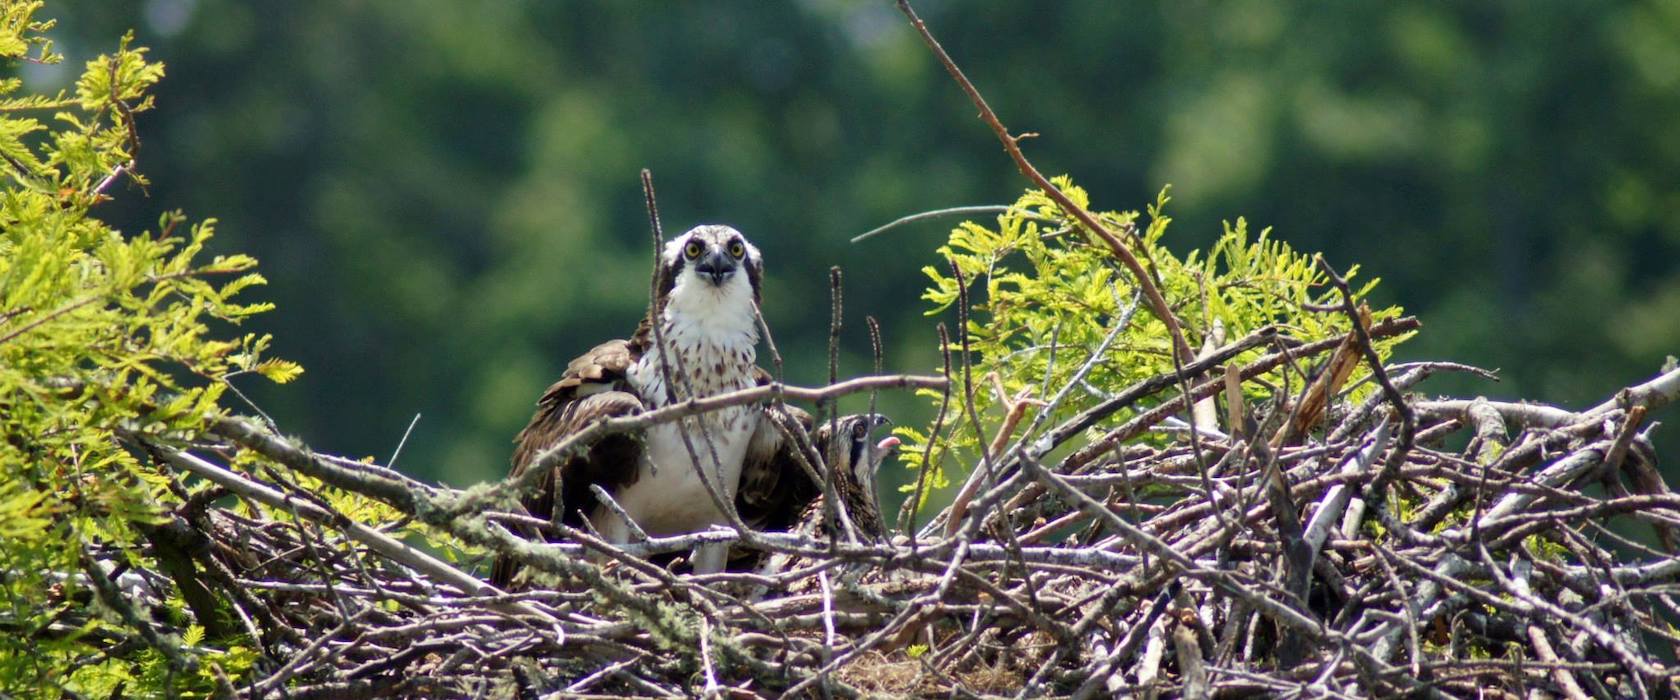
(887,446)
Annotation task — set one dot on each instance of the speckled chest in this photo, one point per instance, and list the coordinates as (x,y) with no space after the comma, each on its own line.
(669,496)
(707,364)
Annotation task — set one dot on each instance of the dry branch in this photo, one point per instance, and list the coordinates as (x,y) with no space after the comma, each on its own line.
(1009,607)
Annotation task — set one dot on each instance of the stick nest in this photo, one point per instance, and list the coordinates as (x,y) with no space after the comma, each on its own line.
(1429,546)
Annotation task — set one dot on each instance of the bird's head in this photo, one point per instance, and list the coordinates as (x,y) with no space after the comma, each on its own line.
(714,258)
(856,454)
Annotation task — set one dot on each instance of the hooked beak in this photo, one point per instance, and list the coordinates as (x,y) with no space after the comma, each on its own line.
(717,266)
(887,445)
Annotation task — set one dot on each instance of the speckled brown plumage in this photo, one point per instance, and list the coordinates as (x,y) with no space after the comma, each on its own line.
(704,306)
(774,487)
(594,387)
(853,458)
(854,482)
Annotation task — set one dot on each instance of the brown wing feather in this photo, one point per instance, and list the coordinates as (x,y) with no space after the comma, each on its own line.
(595,386)
(774,487)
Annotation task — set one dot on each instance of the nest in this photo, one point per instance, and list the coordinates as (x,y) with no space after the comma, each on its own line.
(1396,544)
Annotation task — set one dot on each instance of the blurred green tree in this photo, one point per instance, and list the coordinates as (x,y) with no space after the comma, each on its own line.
(445,196)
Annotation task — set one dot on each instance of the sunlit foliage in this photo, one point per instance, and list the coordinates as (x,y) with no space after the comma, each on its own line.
(1044,296)
(103,335)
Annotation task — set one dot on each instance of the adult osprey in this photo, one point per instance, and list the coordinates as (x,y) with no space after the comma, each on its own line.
(708,287)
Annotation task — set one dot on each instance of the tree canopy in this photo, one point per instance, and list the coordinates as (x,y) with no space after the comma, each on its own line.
(445,194)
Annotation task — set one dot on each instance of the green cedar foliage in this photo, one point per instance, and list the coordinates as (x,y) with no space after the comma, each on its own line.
(102,335)
(1036,283)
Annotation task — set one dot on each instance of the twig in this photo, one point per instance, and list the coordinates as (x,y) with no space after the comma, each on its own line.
(986,467)
(48,317)
(712,689)
(875,354)
(637,534)
(828,623)
(907,514)
(1149,669)
(939,213)
(1011,144)
(391,463)
(831,501)
(712,481)
(1190,663)
(1408,421)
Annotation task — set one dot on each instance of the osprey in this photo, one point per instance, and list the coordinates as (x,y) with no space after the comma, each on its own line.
(853,457)
(783,497)
(704,304)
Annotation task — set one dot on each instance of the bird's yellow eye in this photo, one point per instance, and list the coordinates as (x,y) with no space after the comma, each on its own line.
(736,249)
(694,250)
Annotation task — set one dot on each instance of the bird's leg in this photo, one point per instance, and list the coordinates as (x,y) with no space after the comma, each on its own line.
(612,526)
(710,558)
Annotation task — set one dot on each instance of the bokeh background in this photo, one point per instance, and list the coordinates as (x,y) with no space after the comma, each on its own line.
(444,194)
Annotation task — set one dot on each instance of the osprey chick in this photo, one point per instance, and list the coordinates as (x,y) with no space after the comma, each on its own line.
(708,286)
(853,457)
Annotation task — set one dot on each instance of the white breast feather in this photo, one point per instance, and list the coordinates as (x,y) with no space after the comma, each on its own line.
(712,333)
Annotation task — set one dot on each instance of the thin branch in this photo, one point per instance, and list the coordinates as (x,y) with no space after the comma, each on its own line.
(941,213)
(48,317)
(1011,144)
(907,514)
(712,481)
(391,463)
(384,544)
